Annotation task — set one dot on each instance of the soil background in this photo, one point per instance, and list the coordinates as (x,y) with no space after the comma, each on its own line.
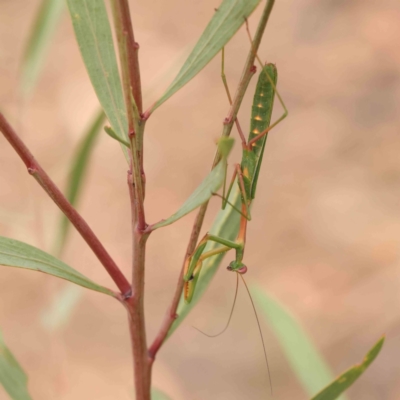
(324,239)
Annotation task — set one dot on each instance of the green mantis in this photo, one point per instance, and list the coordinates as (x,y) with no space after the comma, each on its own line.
(246,173)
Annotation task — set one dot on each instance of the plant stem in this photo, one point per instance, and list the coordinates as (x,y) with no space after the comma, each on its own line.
(248,71)
(52,190)
(128,52)
(135,306)
(129,57)
(171,315)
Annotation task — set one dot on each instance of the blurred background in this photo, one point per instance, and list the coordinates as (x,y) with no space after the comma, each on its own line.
(324,239)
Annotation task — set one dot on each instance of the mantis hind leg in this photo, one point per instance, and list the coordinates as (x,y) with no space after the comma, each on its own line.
(194,263)
(193,272)
(199,256)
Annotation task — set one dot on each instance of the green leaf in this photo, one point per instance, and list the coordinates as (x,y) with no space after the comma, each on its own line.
(41,33)
(113,135)
(93,33)
(12,376)
(21,255)
(158,395)
(303,356)
(226,225)
(205,190)
(226,21)
(76,176)
(344,381)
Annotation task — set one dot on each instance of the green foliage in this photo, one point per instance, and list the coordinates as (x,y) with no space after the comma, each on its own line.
(305,359)
(42,31)
(93,33)
(344,381)
(211,184)
(76,176)
(21,255)
(228,18)
(12,376)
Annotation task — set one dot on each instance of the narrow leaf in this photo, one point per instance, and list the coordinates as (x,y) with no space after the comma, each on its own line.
(205,190)
(113,135)
(344,381)
(226,225)
(93,33)
(157,394)
(40,36)
(226,21)
(12,376)
(76,176)
(21,255)
(301,352)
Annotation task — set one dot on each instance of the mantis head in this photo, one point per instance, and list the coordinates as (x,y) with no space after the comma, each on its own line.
(237,266)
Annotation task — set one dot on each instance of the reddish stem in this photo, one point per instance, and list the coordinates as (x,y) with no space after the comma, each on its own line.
(128,53)
(132,51)
(171,314)
(75,218)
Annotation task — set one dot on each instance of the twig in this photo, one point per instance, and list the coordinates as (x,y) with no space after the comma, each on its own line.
(130,64)
(128,51)
(248,71)
(75,218)
(171,315)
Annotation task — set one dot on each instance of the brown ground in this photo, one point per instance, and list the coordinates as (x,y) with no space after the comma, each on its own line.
(324,240)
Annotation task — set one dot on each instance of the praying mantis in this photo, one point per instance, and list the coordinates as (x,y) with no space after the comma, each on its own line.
(246,173)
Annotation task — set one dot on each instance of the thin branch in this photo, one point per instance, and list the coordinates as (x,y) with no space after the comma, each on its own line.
(141,361)
(171,314)
(169,318)
(248,71)
(128,53)
(135,306)
(75,218)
